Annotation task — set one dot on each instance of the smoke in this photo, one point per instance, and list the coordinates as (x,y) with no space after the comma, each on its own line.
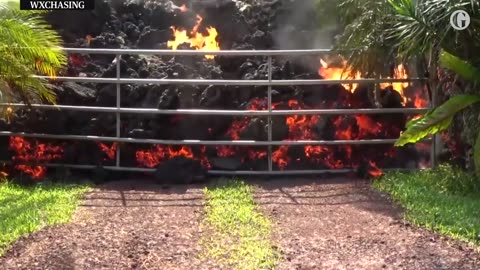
(116,4)
(298,27)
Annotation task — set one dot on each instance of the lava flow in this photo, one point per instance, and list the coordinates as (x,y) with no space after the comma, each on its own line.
(374,171)
(29,152)
(109,151)
(158,153)
(298,127)
(195,39)
(144,27)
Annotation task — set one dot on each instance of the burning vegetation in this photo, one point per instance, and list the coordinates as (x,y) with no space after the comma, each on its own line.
(204,35)
(195,39)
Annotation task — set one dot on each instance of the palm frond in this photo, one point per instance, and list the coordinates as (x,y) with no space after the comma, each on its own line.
(30,40)
(20,84)
(28,47)
(380,32)
(363,42)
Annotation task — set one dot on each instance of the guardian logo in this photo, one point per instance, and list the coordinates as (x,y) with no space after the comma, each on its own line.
(460,20)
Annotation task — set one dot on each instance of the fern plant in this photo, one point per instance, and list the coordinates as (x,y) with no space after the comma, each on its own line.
(28,46)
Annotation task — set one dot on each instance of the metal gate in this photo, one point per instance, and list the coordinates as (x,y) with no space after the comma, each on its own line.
(118,110)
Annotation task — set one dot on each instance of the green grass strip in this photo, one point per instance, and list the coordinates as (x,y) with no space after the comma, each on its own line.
(445,199)
(24,210)
(236,233)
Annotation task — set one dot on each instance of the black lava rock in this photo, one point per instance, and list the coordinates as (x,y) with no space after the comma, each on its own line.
(180,170)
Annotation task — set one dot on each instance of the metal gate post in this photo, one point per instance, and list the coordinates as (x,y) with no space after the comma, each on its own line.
(434,147)
(118,127)
(270,163)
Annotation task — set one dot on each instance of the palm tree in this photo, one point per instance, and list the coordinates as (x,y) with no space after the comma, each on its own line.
(28,46)
(384,31)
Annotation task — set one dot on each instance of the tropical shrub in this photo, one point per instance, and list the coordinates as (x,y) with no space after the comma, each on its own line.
(377,34)
(28,46)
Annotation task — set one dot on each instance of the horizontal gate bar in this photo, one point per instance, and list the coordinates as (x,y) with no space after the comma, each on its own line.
(211,172)
(220,112)
(197,52)
(225,82)
(197,142)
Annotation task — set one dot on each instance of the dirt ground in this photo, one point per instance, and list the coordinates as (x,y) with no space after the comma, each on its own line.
(339,224)
(344,224)
(119,226)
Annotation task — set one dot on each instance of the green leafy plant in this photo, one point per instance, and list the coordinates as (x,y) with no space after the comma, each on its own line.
(28,47)
(441,117)
(435,120)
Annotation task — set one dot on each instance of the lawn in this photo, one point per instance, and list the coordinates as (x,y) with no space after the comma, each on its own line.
(24,210)
(238,234)
(445,199)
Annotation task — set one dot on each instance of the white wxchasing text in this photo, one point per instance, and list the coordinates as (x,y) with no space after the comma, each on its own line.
(57,4)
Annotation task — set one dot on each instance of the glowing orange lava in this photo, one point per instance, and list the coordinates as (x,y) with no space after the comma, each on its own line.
(35,152)
(158,153)
(108,150)
(374,171)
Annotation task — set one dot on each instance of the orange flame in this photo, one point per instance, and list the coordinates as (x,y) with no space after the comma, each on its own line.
(334,73)
(197,41)
(399,73)
(344,73)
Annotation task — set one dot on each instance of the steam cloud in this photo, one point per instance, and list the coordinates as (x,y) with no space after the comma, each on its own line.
(299,29)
